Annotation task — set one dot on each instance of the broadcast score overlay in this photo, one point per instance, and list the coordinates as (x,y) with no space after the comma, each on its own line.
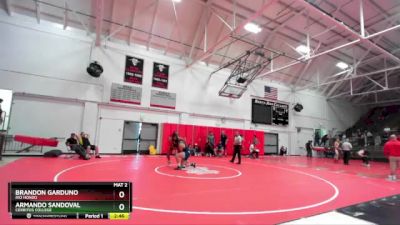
(70,200)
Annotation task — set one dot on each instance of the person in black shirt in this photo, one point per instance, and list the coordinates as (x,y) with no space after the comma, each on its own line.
(309,148)
(224,140)
(283,150)
(86,145)
(72,143)
(1,112)
(174,142)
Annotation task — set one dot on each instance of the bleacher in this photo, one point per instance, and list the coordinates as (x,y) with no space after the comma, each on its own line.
(379,121)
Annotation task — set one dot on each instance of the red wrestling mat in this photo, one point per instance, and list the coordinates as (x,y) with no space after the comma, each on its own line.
(266,191)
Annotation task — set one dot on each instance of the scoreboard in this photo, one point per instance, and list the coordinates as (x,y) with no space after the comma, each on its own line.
(269,112)
(280,114)
(70,200)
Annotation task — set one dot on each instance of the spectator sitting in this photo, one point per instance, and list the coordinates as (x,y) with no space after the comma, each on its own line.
(253,152)
(209,149)
(197,150)
(191,150)
(86,145)
(219,150)
(364,154)
(283,150)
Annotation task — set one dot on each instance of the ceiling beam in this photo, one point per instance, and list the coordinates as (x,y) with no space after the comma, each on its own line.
(8,7)
(211,50)
(223,20)
(132,21)
(317,55)
(376,83)
(152,24)
(311,57)
(365,39)
(336,23)
(178,27)
(99,20)
(84,25)
(283,34)
(355,76)
(37,6)
(203,21)
(379,102)
(65,19)
(356,62)
(374,91)
(219,36)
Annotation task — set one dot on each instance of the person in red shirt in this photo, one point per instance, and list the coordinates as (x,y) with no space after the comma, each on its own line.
(392,150)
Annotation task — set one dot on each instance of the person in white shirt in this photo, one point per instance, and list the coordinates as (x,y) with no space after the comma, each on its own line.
(254,151)
(237,147)
(364,154)
(346,148)
(337,150)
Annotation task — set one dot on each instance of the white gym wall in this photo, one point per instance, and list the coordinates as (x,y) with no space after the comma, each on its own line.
(49,65)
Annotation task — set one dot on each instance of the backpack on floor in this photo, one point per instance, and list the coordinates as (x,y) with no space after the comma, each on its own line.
(53,153)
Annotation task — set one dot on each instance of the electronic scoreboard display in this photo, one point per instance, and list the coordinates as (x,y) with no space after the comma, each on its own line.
(70,200)
(269,112)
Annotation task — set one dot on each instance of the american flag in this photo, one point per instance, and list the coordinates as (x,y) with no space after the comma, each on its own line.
(270,92)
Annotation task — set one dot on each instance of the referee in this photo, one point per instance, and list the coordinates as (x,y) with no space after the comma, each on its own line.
(237,147)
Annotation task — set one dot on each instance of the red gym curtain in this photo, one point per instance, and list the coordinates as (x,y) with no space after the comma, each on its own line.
(198,134)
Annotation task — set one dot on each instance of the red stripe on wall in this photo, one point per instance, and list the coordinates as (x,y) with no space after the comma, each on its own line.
(162,106)
(125,101)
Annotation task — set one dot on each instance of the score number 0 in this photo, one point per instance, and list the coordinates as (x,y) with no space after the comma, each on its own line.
(121,206)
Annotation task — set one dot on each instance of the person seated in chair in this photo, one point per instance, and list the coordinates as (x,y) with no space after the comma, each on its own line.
(209,149)
(197,150)
(84,141)
(253,151)
(219,150)
(283,150)
(364,154)
(72,143)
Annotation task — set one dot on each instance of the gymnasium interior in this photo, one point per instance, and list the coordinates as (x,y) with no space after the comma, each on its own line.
(213,111)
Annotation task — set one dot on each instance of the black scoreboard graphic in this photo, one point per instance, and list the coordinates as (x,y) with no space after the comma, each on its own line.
(70,200)
(269,112)
(280,114)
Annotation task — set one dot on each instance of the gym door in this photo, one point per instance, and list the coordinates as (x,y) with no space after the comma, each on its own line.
(138,137)
(270,143)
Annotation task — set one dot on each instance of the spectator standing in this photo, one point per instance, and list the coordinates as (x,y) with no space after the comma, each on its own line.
(391,149)
(224,140)
(309,148)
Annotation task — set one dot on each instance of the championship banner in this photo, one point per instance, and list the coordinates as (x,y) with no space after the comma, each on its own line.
(163,99)
(126,94)
(133,70)
(160,75)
